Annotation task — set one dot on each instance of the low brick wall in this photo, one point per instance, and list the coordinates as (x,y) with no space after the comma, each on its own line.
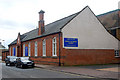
(46,60)
(89,56)
(80,57)
(5,53)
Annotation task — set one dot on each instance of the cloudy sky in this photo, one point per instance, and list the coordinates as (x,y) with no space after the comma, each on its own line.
(22,15)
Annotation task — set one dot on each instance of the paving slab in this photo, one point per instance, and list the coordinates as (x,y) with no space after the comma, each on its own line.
(102,71)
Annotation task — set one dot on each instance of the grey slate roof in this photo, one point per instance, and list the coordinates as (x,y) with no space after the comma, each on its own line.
(110,19)
(1,46)
(51,28)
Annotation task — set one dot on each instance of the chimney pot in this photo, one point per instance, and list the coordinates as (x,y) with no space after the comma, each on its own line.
(41,11)
(41,15)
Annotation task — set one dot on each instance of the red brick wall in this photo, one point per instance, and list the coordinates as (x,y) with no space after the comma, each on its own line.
(89,56)
(68,56)
(4,55)
(12,46)
(49,59)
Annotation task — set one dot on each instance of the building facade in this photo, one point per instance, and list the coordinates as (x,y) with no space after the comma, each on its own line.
(5,53)
(79,39)
(1,48)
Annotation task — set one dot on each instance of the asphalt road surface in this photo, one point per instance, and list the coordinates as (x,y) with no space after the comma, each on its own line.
(13,72)
(0,70)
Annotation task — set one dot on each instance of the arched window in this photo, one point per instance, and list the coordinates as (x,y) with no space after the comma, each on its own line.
(10,51)
(54,47)
(36,48)
(14,51)
(44,47)
(24,50)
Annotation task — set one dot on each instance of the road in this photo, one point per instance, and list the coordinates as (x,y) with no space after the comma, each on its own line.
(13,72)
(0,70)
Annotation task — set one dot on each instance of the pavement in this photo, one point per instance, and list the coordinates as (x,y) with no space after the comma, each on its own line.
(109,71)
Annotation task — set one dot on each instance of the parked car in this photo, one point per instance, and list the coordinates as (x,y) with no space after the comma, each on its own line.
(24,62)
(10,60)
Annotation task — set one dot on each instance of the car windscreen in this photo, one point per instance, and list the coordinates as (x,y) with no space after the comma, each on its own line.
(25,59)
(12,59)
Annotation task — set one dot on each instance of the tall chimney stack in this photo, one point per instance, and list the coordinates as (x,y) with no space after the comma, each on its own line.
(41,22)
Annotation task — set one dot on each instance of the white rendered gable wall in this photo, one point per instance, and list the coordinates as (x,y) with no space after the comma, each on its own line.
(90,32)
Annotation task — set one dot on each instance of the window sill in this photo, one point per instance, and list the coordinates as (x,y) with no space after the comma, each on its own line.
(43,56)
(35,56)
(117,56)
(54,56)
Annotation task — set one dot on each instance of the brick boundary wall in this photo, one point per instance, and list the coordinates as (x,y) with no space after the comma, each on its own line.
(4,55)
(80,57)
(89,56)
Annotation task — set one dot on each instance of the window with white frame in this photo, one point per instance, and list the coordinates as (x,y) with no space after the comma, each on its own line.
(29,49)
(116,53)
(16,51)
(54,47)
(13,52)
(24,50)
(44,47)
(36,48)
(10,51)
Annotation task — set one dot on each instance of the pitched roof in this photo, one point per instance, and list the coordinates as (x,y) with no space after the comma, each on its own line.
(1,46)
(110,19)
(51,28)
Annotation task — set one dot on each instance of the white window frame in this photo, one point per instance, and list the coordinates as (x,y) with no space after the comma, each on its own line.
(16,51)
(29,48)
(23,49)
(10,51)
(117,53)
(13,52)
(36,48)
(44,47)
(54,47)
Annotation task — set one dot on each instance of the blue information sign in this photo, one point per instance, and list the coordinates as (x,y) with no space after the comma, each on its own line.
(70,42)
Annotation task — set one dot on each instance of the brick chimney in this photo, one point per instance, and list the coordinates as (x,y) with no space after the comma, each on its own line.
(41,22)
(18,39)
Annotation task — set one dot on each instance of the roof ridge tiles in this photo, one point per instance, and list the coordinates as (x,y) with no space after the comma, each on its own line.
(108,12)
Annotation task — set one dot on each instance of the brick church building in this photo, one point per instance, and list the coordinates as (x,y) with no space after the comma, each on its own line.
(78,39)
(111,21)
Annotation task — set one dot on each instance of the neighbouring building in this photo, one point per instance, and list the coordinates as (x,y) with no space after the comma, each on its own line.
(111,21)
(78,39)
(1,48)
(5,53)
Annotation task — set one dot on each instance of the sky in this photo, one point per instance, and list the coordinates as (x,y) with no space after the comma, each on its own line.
(22,15)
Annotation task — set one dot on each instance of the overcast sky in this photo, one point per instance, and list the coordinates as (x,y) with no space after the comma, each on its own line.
(22,15)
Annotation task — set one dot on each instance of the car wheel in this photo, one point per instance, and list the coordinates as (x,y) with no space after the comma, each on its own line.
(32,66)
(6,64)
(21,66)
(16,65)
